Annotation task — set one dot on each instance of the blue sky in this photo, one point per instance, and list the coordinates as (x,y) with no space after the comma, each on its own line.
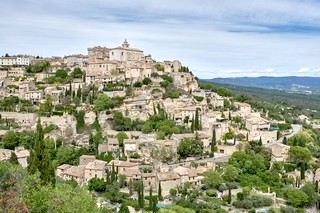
(214,38)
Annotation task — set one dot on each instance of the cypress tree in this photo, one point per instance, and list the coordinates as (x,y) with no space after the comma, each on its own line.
(154,110)
(150,198)
(79,92)
(192,125)
(317,186)
(70,89)
(213,140)
(160,192)
(196,120)
(285,140)
(154,204)
(39,159)
(142,194)
(14,159)
(113,174)
(229,196)
(230,116)
(302,171)
(124,208)
(278,135)
(260,141)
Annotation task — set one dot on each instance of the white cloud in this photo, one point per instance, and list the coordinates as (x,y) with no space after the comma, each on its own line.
(213,38)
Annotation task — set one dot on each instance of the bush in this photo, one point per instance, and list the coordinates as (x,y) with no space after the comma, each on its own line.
(289,167)
(211,193)
(137,84)
(57,113)
(146,81)
(198,98)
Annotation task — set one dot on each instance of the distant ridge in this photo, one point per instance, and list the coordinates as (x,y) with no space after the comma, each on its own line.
(294,84)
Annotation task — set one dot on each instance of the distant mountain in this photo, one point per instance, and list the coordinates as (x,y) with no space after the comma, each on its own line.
(303,85)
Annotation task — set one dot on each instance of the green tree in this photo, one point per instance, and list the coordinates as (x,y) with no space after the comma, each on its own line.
(10,140)
(296,198)
(213,141)
(80,121)
(97,184)
(124,208)
(146,81)
(302,171)
(284,141)
(212,179)
(60,73)
(13,158)
(189,148)
(230,173)
(103,102)
(196,120)
(77,73)
(121,136)
(47,105)
(313,196)
(39,159)
(160,192)
(299,154)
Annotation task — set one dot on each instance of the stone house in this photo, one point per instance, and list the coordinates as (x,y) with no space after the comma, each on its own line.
(243,108)
(61,169)
(122,166)
(167,180)
(130,146)
(226,149)
(95,169)
(149,180)
(22,156)
(279,152)
(76,173)
(85,159)
(187,175)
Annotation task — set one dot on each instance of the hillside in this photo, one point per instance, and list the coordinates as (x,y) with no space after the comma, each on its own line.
(293,84)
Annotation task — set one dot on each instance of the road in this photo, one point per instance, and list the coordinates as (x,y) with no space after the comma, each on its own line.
(295,129)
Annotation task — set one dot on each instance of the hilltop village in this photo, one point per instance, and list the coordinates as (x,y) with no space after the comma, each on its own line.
(123,125)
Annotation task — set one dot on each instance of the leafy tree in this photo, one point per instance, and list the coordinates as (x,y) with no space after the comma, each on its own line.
(230,173)
(65,154)
(249,163)
(97,184)
(10,140)
(212,179)
(61,74)
(121,136)
(80,121)
(313,196)
(103,102)
(189,148)
(77,73)
(124,208)
(298,154)
(47,106)
(39,159)
(296,198)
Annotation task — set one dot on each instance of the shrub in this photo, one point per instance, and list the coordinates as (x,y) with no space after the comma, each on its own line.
(289,167)
(198,98)
(211,193)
